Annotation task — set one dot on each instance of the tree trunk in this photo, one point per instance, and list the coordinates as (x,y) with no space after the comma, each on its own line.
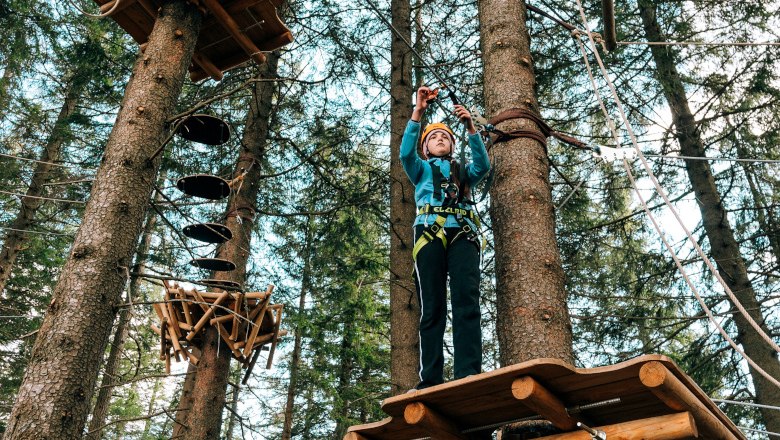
(54,398)
(295,362)
(29,205)
(204,419)
(150,408)
(404,307)
(234,403)
(533,319)
(346,368)
(723,245)
(109,380)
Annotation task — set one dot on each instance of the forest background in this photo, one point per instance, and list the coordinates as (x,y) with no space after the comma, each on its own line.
(322,234)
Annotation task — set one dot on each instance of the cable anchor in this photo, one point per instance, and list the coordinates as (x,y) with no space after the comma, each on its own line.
(595,434)
(609,154)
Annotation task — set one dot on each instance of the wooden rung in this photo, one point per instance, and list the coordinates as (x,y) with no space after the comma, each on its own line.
(227,22)
(257,320)
(354,436)
(221,319)
(184,326)
(541,401)
(670,390)
(668,427)
(438,427)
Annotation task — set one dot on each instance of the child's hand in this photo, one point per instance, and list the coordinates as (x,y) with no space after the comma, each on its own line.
(422,98)
(465,117)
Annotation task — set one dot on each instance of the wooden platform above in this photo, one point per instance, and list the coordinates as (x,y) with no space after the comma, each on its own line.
(233,31)
(656,397)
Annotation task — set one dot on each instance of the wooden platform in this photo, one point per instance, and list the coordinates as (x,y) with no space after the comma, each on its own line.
(233,31)
(185,313)
(655,396)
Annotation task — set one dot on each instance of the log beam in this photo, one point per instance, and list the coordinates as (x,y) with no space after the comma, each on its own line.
(354,436)
(540,400)
(438,427)
(227,22)
(670,390)
(668,427)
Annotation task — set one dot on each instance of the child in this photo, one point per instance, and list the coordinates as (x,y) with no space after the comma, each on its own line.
(446,241)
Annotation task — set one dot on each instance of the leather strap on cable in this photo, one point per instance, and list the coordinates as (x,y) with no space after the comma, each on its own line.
(541,134)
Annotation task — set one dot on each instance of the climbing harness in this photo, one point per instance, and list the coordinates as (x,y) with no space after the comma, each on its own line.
(452,196)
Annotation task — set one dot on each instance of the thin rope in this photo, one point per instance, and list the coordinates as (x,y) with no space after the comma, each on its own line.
(35,232)
(695,43)
(11,156)
(42,198)
(662,193)
(102,15)
(737,402)
(689,282)
(724,159)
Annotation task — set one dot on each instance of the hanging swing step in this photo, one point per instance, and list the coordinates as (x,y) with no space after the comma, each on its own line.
(216,264)
(221,284)
(205,129)
(205,186)
(208,232)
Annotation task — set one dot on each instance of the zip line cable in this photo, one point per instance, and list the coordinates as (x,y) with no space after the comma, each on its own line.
(11,156)
(660,189)
(36,232)
(696,43)
(771,434)
(723,159)
(25,196)
(755,405)
(663,194)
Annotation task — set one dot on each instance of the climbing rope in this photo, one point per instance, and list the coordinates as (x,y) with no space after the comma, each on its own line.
(668,203)
(695,43)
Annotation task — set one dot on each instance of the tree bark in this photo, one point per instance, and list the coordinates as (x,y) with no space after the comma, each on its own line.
(54,398)
(533,319)
(109,380)
(723,245)
(204,418)
(346,369)
(404,306)
(295,362)
(29,205)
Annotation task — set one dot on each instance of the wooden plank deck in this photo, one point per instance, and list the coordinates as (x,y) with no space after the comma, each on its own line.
(487,399)
(255,20)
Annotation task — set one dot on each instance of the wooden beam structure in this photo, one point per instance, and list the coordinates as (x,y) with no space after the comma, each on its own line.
(543,402)
(669,427)
(648,397)
(185,313)
(438,427)
(232,32)
(670,390)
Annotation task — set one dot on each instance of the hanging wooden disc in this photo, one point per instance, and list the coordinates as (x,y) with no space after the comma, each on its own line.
(205,186)
(208,232)
(206,129)
(217,264)
(221,284)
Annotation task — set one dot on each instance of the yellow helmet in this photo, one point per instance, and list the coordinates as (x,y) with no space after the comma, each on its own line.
(429,129)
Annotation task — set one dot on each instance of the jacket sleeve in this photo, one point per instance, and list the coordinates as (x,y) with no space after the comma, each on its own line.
(413,165)
(480,163)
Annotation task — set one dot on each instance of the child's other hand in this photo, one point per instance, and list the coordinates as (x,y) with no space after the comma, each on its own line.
(465,117)
(422,98)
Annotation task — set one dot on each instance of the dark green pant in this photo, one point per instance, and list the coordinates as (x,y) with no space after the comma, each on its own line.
(461,261)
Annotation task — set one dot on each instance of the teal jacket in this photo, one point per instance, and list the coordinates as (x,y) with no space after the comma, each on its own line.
(420,174)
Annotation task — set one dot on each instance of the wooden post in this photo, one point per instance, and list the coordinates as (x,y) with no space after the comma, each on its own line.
(256,327)
(354,436)
(543,402)
(438,427)
(668,427)
(275,336)
(668,388)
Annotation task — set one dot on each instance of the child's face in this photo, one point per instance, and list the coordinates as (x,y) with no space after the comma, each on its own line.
(439,143)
